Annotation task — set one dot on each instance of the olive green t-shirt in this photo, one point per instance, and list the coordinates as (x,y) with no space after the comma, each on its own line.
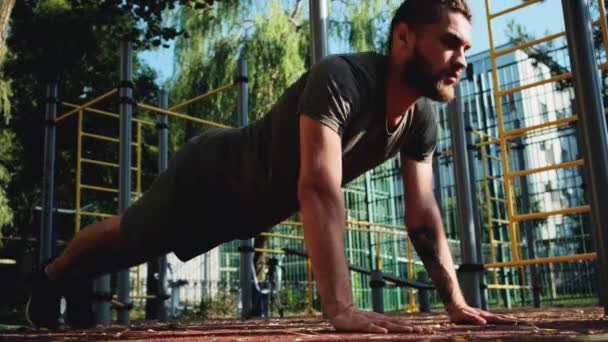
(255,169)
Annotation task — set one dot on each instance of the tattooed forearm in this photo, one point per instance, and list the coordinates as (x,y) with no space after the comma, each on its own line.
(426,243)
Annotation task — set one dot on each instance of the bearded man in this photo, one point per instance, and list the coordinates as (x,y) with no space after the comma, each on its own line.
(346,115)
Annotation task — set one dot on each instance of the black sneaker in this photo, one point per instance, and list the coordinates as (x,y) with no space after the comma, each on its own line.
(79,300)
(43,306)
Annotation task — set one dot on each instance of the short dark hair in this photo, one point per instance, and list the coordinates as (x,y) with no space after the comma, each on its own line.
(419,13)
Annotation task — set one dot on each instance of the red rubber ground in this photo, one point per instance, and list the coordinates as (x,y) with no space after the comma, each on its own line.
(554,324)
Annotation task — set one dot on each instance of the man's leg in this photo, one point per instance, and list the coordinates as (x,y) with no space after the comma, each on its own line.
(97,249)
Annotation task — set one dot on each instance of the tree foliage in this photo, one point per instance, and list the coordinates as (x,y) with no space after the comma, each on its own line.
(139,21)
(8,151)
(270,41)
(275,42)
(362,25)
(77,44)
(7,145)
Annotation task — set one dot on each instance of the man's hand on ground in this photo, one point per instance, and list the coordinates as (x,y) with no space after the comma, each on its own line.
(465,314)
(353,319)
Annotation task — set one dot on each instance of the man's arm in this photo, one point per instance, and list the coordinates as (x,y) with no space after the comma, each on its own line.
(322,209)
(425,229)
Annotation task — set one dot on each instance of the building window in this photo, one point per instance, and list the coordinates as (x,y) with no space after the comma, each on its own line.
(544,112)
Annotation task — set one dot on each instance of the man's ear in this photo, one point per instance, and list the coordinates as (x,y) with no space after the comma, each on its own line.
(403,39)
(400,34)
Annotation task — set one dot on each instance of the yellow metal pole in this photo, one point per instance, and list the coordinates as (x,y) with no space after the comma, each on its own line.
(100,137)
(574,163)
(309,311)
(556,123)
(368,224)
(603,25)
(600,22)
(108,114)
(378,251)
(283,236)
(399,232)
(553,79)
(566,211)
(508,10)
(508,287)
(413,307)
(529,44)
(138,282)
(85,105)
(98,188)
(501,129)
(202,96)
(103,189)
(180,115)
(488,208)
(78,173)
(98,215)
(513,224)
(356,223)
(103,163)
(138,180)
(270,251)
(550,260)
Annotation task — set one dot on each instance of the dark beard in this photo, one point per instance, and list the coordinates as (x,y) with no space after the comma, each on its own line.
(417,74)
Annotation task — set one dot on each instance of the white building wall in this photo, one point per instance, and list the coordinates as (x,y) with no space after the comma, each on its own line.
(202,274)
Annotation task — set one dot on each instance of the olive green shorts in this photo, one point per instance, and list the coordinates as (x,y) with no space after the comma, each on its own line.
(186,209)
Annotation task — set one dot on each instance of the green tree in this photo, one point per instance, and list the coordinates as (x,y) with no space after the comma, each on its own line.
(362,25)
(77,44)
(270,41)
(7,145)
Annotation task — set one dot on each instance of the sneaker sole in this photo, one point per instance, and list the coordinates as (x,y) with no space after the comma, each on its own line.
(28,318)
(27,312)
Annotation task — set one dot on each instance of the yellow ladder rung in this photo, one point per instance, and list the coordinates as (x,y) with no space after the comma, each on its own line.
(527,44)
(269,251)
(496,199)
(104,163)
(499,220)
(98,188)
(495,178)
(525,130)
(493,157)
(103,215)
(567,211)
(554,79)
(283,236)
(540,261)
(105,189)
(508,287)
(103,137)
(575,163)
(514,8)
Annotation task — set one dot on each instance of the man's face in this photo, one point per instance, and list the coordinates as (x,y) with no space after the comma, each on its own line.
(437,56)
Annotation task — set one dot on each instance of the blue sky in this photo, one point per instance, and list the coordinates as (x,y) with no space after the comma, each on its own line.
(538,19)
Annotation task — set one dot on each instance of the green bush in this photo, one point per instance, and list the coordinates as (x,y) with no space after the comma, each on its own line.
(222,306)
